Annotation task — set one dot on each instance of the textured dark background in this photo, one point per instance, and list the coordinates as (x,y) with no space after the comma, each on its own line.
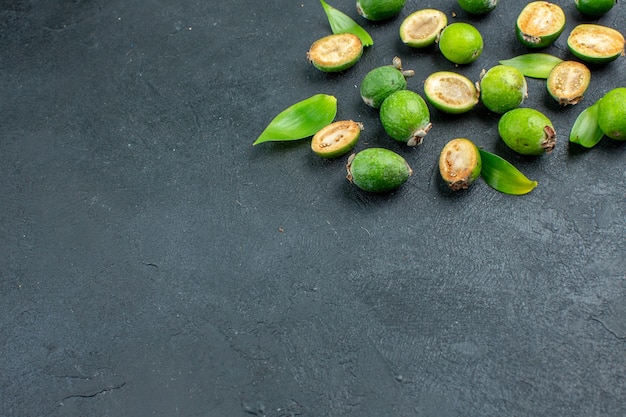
(154,263)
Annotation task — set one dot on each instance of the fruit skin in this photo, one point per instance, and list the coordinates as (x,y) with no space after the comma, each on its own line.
(527,131)
(347,46)
(450,92)
(594,8)
(336,139)
(568,82)
(478,7)
(381,82)
(530,25)
(421,28)
(377,170)
(460,43)
(460,163)
(609,46)
(405,117)
(503,88)
(379,9)
(612,114)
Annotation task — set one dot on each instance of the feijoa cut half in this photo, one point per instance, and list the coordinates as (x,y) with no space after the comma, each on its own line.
(336,139)
(377,170)
(376,10)
(527,131)
(568,82)
(421,28)
(595,44)
(450,92)
(459,163)
(539,24)
(612,113)
(336,52)
(381,82)
(405,117)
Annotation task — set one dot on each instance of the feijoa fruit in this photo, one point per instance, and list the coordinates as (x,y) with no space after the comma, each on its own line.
(336,52)
(595,44)
(594,8)
(421,28)
(502,88)
(539,24)
(405,117)
(377,170)
(612,113)
(459,163)
(478,7)
(568,82)
(336,139)
(379,9)
(450,92)
(460,43)
(527,131)
(381,82)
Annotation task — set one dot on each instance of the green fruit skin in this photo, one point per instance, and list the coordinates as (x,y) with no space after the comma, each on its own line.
(478,7)
(612,114)
(592,60)
(379,9)
(541,42)
(403,113)
(594,8)
(378,170)
(523,130)
(471,43)
(503,88)
(380,83)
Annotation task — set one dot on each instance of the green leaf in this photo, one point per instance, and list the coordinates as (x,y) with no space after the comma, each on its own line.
(301,120)
(586,131)
(535,65)
(342,23)
(503,176)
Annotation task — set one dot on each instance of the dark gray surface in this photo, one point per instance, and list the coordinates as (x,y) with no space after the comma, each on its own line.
(154,263)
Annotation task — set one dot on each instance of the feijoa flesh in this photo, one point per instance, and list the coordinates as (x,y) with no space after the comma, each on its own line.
(568,82)
(539,24)
(377,170)
(595,44)
(405,117)
(381,82)
(379,9)
(612,113)
(421,28)
(459,163)
(527,131)
(336,52)
(502,88)
(450,92)
(336,139)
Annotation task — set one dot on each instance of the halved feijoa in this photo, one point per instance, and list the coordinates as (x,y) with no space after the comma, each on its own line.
(568,82)
(612,113)
(594,8)
(379,9)
(381,82)
(377,170)
(405,117)
(527,131)
(502,88)
(421,28)
(459,163)
(336,139)
(539,24)
(450,92)
(335,52)
(595,44)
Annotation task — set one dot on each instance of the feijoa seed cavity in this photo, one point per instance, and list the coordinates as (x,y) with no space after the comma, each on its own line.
(336,52)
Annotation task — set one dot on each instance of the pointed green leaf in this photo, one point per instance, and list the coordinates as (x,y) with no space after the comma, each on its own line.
(502,176)
(535,65)
(586,131)
(301,120)
(342,23)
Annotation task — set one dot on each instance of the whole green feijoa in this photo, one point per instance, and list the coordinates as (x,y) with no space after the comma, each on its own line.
(612,113)
(381,82)
(478,7)
(460,43)
(594,8)
(502,88)
(379,9)
(459,163)
(405,117)
(377,170)
(527,131)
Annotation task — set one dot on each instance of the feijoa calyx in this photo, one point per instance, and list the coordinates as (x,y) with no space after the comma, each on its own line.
(459,163)
(381,82)
(336,139)
(612,113)
(336,52)
(568,82)
(539,24)
(527,131)
(377,170)
(405,117)
(595,44)
(421,28)
(450,92)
